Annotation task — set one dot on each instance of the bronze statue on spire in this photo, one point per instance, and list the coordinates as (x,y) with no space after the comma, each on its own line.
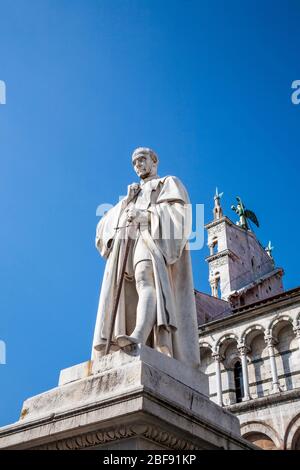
(244,214)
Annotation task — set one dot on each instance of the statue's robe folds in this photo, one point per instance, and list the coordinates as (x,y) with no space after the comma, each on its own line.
(165,236)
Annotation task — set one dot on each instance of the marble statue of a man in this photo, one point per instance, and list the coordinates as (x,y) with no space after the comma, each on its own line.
(157,302)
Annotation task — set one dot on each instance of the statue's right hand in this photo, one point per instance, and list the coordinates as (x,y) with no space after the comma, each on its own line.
(132,190)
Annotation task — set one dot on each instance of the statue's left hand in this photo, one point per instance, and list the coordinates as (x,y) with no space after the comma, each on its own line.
(137,215)
(131,214)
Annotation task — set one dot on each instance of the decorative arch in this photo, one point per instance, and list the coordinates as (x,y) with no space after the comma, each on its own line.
(205,344)
(250,330)
(292,433)
(253,427)
(233,360)
(274,323)
(207,362)
(226,337)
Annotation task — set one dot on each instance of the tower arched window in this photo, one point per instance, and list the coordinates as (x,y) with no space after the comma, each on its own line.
(215,285)
(214,246)
(238,381)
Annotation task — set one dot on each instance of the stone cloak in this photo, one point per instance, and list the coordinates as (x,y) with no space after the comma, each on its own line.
(166,238)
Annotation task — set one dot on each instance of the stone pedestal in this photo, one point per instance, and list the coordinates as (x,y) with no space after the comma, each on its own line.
(136,398)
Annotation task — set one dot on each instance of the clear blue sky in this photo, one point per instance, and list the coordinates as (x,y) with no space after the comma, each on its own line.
(206,83)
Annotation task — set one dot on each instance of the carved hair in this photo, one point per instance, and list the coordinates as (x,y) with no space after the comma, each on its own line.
(147,151)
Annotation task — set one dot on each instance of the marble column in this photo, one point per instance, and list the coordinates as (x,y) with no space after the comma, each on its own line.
(243,354)
(270,342)
(297,333)
(217,358)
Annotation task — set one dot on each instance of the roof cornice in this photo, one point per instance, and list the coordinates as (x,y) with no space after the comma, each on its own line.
(259,308)
(221,254)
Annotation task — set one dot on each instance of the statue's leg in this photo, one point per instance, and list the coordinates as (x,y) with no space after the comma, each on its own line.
(146,307)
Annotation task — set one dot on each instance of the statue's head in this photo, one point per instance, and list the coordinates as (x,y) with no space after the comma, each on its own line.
(144,162)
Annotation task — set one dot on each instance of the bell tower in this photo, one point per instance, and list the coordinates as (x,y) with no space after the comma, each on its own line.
(241,270)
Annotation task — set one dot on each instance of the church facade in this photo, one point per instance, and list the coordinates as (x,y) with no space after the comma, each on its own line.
(249,335)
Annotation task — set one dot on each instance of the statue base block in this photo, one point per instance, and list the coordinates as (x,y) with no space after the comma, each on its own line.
(136,398)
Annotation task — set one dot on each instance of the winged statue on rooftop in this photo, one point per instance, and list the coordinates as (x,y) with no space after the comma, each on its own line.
(244,214)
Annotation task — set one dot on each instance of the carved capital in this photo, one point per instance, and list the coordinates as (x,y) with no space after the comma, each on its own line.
(296,330)
(270,340)
(218,357)
(243,350)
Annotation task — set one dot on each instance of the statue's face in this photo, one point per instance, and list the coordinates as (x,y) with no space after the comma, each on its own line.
(143,165)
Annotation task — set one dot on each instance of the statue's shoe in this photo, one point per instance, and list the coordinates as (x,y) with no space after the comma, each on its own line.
(100,347)
(124,340)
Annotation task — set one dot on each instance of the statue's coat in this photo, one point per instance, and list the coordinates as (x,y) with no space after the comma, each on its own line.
(166,235)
